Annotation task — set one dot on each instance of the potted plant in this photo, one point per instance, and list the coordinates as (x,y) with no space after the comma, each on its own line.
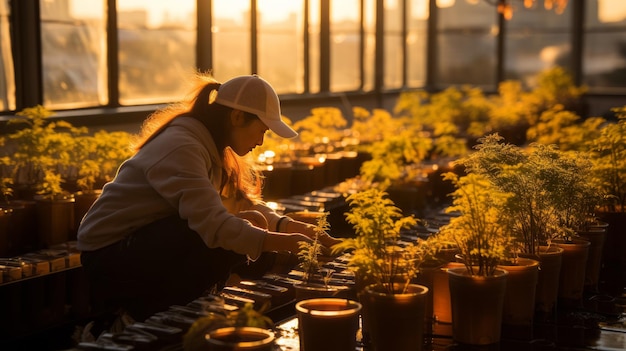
(532,214)
(328,324)
(551,200)
(477,290)
(22,234)
(243,329)
(6,211)
(41,154)
(322,130)
(396,148)
(275,159)
(315,280)
(395,165)
(95,160)
(609,171)
(385,267)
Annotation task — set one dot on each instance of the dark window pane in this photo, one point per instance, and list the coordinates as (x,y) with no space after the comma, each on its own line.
(466,44)
(604,54)
(537,39)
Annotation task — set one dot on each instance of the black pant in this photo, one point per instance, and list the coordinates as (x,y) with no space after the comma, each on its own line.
(162,264)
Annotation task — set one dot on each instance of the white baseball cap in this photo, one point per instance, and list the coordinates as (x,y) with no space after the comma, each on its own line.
(254,95)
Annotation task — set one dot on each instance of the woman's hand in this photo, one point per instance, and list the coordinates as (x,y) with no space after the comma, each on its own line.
(309,230)
(289,242)
(329,241)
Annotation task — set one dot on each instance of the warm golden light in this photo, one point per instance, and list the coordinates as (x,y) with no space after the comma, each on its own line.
(505,7)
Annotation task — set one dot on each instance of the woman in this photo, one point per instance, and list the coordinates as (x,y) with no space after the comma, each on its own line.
(185,209)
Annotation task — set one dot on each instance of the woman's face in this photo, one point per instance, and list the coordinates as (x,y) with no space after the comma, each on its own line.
(246,133)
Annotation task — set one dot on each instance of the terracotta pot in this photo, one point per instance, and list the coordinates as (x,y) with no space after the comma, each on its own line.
(328,324)
(306,291)
(394,322)
(277,181)
(55,219)
(350,164)
(615,236)
(426,277)
(241,338)
(613,274)
(519,299)
(5,240)
(442,311)
(572,276)
(550,260)
(23,224)
(332,171)
(596,237)
(408,198)
(477,306)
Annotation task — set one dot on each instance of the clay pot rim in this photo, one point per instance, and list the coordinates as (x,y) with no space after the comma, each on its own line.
(462,272)
(268,336)
(412,290)
(308,307)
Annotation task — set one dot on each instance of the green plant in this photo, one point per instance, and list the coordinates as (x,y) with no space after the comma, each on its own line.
(310,251)
(567,179)
(479,231)
(553,86)
(6,188)
(565,129)
(551,192)
(377,254)
(95,158)
(373,126)
(246,316)
(392,158)
(610,162)
(322,128)
(531,216)
(41,151)
(6,182)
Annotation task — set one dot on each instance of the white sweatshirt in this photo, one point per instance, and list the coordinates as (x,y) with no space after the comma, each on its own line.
(177,173)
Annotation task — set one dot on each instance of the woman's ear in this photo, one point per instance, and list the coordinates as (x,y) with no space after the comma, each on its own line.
(237,118)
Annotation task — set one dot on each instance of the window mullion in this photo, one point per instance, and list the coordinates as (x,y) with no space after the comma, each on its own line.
(28,65)
(113,54)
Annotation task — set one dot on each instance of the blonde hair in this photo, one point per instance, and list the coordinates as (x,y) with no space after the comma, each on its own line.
(240,176)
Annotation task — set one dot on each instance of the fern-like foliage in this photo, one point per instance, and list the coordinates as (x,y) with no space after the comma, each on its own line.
(310,251)
(377,253)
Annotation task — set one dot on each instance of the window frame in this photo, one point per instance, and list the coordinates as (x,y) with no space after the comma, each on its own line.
(25,24)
